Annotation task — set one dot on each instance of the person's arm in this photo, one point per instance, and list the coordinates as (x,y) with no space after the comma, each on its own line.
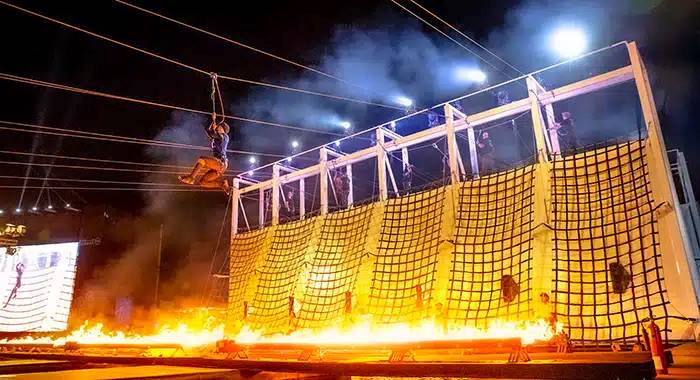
(209,130)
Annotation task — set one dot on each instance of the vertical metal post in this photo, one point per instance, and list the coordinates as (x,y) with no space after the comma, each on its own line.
(473,155)
(404,158)
(688,192)
(275,194)
(679,264)
(261,207)
(302,199)
(235,200)
(381,165)
(351,197)
(537,120)
(323,179)
(552,129)
(391,175)
(451,144)
(551,135)
(542,236)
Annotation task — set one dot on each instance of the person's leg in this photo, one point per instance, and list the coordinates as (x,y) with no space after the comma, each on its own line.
(214,177)
(199,169)
(486,164)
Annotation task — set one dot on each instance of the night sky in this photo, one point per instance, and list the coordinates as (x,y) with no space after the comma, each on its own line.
(374,44)
(301,31)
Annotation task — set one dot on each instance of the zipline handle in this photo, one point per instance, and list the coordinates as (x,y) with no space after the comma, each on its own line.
(216,92)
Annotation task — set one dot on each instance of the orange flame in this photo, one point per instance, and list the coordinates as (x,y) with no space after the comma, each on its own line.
(365,331)
(361,332)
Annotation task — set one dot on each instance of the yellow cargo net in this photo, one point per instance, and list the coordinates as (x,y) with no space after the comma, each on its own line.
(334,267)
(492,259)
(270,308)
(607,265)
(404,271)
(246,250)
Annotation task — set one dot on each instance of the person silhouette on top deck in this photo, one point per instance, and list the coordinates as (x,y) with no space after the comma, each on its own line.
(485,153)
(566,132)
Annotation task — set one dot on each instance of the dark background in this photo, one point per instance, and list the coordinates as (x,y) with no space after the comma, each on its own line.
(317,33)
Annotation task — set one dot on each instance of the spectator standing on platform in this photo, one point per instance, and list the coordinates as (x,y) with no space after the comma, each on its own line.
(289,197)
(566,132)
(342,187)
(407,177)
(485,153)
(433,119)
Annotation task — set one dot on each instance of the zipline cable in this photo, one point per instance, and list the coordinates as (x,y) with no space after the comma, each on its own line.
(98,168)
(464,35)
(118,189)
(237,43)
(196,69)
(94,181)
(120,139)
(12,152)
(450,38)
(16,78)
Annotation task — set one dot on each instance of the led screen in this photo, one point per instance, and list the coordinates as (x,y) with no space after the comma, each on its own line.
(36,287)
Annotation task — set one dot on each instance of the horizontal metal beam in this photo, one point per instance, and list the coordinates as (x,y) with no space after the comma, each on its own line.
(582,87)
(573,366)
(391,134)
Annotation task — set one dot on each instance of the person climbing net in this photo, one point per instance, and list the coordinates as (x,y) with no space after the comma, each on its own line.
(209,171)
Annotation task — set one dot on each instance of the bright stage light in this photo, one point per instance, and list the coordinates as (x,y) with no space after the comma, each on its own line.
(569,42)
(252,159)
(345,124)
(50,207)
(2,212)
(337,144)
(471,75)
(18,210)
(295,144)
(34,208)
(67,205)
(404,101)
(289,159)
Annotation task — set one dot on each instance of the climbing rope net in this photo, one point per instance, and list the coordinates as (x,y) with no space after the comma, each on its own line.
(334,267)
(607,266)
(407,255)
(272,306)
(491,263)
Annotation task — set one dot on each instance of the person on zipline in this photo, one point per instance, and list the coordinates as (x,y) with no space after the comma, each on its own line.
(209,171)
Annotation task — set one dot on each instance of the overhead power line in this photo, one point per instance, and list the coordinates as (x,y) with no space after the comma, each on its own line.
(94,181)
(98,168)
(117,189)
(463,35)
(190,67)
(35,82)
(114,138)
(450,38)
(237,43)
(88,159)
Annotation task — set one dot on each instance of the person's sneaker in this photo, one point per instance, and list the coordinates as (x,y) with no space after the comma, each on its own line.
(186,179)
(226,187)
